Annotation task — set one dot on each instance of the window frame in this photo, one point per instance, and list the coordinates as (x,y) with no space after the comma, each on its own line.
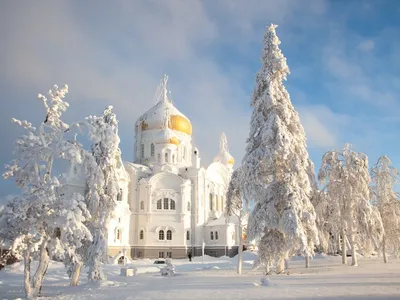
(141,150)
(166,203)
(172,204)
(141,235)
(212,235)
(169,235)
(161,235)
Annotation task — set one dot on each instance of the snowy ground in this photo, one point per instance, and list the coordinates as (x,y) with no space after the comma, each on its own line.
(216,279)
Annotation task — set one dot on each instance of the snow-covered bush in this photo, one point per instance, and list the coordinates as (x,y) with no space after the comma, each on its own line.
(169,269)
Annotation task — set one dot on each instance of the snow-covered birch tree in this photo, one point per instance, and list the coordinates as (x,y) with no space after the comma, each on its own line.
(276,166)
(346,177)
(102,182)
(384,178)
(237,205)
(30,221)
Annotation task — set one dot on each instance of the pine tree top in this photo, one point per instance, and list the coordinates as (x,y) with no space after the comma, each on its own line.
(273,63)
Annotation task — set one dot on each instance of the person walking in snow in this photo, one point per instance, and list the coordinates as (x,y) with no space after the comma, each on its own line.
(190,256)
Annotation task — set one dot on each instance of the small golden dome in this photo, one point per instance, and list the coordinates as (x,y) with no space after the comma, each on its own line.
(174,141)
(231,161)
(144,125)
(180,123)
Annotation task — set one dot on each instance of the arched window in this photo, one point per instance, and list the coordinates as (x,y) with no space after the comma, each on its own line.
(142,205)
(159,157)
(119,195)
(188,206)
(169,235)
(152,150)
(118,235)
(161,235)
(166,204)
(142,150)
(216,235)
(141,234)
(172,205)
(211,201)
(211,235)
(173,159)
(159,204)
(166,157)
(188,235)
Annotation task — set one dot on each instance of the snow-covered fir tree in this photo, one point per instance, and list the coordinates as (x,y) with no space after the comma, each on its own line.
(102,183)
(237,205)
(276,166)
(384,178)
(346,177)
(35,221)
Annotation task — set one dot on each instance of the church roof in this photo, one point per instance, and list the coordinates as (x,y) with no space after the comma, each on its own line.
(164,114)
(224,157)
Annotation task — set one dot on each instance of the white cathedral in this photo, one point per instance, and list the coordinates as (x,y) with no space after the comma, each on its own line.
(169,205)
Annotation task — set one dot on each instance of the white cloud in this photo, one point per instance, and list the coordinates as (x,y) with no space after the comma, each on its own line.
(116,54)
(366,45)
(323,127)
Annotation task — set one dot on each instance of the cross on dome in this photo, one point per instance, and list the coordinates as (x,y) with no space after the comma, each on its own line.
(223,143)
(162,91)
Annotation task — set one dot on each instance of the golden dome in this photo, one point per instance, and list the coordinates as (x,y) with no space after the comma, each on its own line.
(231,161)
(174,141)
(180,123)
(164,114)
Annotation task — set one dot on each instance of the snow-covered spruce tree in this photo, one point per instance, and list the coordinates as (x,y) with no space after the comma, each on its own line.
(102,183)
(347,180)
(236,205)
(276,166)
(31,220)
(384,178)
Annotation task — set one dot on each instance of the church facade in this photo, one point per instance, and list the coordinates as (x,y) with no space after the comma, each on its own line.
(169,205)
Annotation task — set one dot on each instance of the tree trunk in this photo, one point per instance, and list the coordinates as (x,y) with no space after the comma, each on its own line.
(307,261)
(41,269)
(344,248)
(353,250)
(76,273)
(27,274)
(267,268)
(385,259)
(280,266)
(240,254)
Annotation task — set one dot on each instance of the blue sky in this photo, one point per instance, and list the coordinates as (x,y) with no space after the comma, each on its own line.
(343,57)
